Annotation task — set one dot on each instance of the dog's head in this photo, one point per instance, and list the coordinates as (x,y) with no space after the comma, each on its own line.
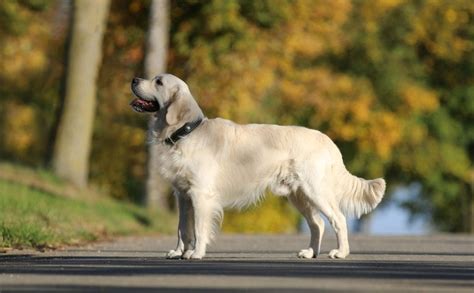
(167,95)
(157,93)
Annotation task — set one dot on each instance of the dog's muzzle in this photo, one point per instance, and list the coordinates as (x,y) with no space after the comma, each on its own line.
(141,105)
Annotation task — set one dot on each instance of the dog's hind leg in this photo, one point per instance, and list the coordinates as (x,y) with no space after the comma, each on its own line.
(338,222)
(324,201)
(316,224)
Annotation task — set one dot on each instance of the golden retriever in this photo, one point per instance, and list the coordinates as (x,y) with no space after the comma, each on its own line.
(215,163)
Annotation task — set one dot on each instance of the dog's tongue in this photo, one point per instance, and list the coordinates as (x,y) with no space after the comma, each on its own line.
(137,105)
(141,105)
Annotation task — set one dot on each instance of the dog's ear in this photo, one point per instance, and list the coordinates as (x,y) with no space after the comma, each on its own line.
(183,108)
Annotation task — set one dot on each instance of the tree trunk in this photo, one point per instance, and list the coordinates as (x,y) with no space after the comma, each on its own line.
(73,140)
(155,63)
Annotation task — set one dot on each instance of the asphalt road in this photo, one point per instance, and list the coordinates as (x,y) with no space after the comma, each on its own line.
(439,263)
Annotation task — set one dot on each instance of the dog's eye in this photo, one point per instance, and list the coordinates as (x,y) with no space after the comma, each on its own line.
(158,81)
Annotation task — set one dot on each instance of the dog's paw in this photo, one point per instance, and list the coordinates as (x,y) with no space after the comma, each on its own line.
(187,254)
(192,254)
(335,253)
(196,255)
(306,253)
(174,254)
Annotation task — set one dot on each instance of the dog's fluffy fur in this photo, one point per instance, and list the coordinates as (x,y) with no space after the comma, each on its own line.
(223,164)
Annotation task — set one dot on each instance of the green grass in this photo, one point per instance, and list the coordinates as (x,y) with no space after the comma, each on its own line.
(34,217)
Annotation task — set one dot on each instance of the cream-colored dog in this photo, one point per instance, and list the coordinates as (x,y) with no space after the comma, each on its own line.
(215,163)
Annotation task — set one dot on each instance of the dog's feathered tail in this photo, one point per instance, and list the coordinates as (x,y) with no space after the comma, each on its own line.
(361,196)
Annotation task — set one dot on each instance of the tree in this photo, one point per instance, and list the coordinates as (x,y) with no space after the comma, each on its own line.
(25,35)
(418,57)
(155,63)
(389,81)
(73,141)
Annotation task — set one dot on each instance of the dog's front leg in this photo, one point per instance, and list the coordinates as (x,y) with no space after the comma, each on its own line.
(204,211)
(185,227)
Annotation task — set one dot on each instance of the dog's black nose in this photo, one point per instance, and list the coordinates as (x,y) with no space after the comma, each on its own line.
(135,81)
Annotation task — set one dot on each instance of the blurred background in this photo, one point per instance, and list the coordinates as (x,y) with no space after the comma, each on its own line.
(390,81)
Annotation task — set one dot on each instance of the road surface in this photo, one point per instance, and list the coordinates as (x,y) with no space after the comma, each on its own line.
(237,263)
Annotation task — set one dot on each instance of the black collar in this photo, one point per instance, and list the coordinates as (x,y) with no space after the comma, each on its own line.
(182,132)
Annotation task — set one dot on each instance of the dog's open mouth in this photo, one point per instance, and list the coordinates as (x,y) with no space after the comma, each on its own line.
(141,105)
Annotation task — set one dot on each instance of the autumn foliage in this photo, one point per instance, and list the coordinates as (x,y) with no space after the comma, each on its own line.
(390,81)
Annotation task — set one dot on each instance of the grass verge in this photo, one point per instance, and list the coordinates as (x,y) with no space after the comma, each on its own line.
(35,218)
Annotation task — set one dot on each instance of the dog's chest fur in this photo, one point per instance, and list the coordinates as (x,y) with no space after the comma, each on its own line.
(172,165)
(181,166)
